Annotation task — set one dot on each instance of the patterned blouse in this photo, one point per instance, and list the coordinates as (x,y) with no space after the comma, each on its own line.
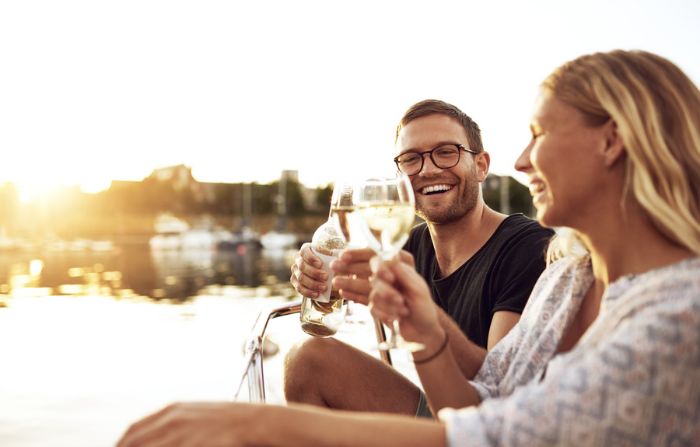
(632,379)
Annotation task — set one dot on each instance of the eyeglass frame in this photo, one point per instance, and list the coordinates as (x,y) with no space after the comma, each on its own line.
(422,154)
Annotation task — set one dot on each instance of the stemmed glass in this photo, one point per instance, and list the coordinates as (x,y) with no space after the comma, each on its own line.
(342,211)
(386,207)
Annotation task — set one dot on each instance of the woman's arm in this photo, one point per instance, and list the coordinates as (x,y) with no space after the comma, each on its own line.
(398,291)
(230,424)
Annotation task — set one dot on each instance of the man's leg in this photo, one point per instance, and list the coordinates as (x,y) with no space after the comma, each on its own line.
(329,373)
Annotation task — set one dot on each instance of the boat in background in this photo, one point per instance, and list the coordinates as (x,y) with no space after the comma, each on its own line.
(169,230)
(245,237)
(275,240)
(280,238)
(173,233)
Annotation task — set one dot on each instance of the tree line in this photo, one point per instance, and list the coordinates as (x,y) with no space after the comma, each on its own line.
(131,207)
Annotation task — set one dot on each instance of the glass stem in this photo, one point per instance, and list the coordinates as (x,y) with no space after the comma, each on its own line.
(395,332)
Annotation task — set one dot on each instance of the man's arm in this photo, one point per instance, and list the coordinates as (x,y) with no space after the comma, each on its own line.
(399,291)
(517,269)
(502,322)
(353,271)
(468,356)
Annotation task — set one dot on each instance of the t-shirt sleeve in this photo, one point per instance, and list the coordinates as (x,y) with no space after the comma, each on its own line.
(517,270)
(489,381)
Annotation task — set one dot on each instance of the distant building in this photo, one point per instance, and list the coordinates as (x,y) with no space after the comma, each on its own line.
(179,176)
(290,175)
(174,189)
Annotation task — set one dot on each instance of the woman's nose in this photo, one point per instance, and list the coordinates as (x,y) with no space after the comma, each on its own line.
(523,163)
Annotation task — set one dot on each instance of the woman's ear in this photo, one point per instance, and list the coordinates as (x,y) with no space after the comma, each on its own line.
(614,147)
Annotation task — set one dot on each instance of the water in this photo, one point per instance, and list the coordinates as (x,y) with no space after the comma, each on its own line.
(135,269)
(76,371)
(138,331)
(92,341)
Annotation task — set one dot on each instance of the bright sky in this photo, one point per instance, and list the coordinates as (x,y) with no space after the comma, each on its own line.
(92,91)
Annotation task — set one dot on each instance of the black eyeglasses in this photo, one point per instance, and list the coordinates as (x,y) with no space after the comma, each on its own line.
(444,156)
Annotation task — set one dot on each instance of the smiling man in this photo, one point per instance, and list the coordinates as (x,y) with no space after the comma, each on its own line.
(480,264)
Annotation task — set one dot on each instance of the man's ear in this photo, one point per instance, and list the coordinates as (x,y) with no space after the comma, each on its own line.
(482,161)
(614,149)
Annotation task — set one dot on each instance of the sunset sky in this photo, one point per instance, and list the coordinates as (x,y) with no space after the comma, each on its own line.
(92,91)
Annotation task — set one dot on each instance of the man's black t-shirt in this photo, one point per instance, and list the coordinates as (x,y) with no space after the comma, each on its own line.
(500,276)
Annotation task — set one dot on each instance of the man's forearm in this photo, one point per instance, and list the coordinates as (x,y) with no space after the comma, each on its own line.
(445,373)
(468,356)
(444,383)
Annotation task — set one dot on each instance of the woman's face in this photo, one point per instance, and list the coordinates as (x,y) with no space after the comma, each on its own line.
(565,164)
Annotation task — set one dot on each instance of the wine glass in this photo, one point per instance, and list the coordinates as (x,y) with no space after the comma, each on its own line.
(386,207)
(342,211)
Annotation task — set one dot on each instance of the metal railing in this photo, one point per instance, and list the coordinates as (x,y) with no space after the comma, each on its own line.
(253,352)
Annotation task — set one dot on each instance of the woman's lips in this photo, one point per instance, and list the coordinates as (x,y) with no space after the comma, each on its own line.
(537,189)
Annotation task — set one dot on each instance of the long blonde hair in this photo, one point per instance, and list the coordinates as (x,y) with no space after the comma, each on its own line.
(656,108)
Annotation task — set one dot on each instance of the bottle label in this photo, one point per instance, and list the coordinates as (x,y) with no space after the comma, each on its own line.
(325,297)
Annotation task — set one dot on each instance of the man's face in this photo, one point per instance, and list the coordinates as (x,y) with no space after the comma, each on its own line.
(442,195)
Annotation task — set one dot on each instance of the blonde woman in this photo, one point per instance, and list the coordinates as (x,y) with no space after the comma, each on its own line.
(607,351)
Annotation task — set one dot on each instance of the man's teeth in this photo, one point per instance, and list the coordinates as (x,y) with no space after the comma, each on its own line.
(435,188)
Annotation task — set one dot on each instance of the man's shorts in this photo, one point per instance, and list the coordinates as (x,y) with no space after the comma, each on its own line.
(423,410)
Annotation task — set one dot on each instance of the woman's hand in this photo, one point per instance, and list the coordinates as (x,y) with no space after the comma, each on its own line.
(398,291)
(193,424)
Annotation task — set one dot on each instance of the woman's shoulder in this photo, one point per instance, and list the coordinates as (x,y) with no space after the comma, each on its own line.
(674,285)
(567,268)
(562,279)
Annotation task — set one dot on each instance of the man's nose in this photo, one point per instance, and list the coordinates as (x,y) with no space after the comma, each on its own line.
(428,165)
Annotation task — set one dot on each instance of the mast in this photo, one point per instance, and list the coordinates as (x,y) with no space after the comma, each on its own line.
(282,203)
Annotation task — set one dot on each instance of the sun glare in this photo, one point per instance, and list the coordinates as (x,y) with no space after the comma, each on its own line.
(36,185)
(95,185)
(32,191)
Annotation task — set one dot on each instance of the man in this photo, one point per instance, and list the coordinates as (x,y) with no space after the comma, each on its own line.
(480,264)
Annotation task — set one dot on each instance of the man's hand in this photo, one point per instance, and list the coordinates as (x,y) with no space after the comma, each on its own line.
(353,273)
(307,276)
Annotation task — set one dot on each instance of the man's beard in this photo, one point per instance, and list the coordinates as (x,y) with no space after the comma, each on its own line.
(463,205)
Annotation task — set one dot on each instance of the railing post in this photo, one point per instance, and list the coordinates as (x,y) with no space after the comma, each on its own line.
(256,378)
(381,337)
(253,361)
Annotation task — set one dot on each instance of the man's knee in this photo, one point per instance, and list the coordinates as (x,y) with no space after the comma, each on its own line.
(306,366)
(311,353)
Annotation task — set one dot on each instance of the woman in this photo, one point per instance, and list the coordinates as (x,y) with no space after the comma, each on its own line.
(607,350)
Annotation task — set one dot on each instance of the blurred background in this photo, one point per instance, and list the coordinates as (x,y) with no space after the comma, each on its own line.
(169,236)
(161,162)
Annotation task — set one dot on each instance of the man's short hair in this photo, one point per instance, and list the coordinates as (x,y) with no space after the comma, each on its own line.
(435,106)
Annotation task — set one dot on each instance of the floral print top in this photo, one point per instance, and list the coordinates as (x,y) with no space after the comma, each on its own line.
(632,379)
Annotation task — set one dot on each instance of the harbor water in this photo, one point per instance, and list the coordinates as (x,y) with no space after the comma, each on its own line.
(93,341)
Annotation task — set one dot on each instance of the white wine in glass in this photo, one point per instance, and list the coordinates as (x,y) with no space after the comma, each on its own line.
(342,207)
(388,224)
(387,210)
(343,212)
